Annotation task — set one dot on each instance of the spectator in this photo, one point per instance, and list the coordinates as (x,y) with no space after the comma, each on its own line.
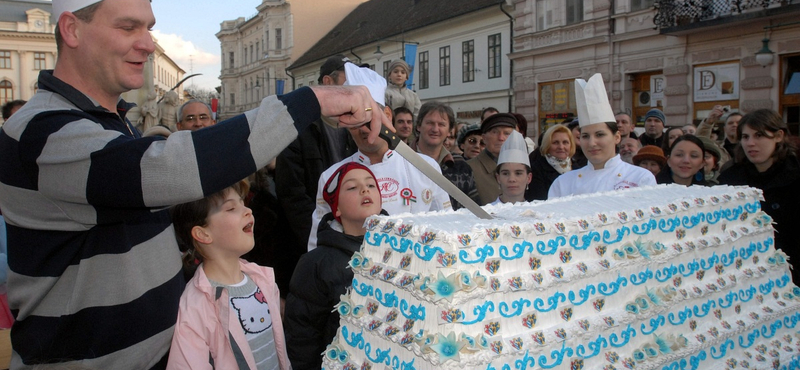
(599,139)
(671,134)
(708,128)
(689,129)
(397,93)
(228,313)
(651,158)
(404,124)
(322,275)
(194,115)
(767,160)
(105,240)
(488,111)
(730,129)
(471,141)
(551,160)
(625,126)
(496,128)
(684,163)
(578,159)
(434,123)
(522,128)
(513,172)
(654,122)
(713,160)
(628,148)
(403,187)
(450,143)
(11,107)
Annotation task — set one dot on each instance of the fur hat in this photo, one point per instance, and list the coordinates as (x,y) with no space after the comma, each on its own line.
(652,153)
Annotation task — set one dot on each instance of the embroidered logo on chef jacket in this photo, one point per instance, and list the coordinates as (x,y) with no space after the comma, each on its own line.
(389,187)
(625,185)
(427,196)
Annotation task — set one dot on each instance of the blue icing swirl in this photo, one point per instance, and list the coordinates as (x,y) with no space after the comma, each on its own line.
(480,255)
(586,239)
(625,335)
(621,233)
(655,323)
(480,313)
(723,349)
(668,225)
(517,305)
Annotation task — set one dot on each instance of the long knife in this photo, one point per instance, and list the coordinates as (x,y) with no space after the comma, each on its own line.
(412,157)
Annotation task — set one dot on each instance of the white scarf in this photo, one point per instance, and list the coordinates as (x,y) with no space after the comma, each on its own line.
(561,165)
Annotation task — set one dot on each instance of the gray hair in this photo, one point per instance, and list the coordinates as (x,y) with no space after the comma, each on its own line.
(180,110)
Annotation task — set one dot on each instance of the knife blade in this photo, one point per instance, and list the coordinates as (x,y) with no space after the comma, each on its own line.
(413,157)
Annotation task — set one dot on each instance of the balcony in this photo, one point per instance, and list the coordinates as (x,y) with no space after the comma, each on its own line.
(676,17)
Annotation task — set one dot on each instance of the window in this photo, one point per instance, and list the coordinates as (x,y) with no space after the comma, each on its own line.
(386,70)
(278,39)
(5,59)
(641,4)
(266,38)
(258,55)
(544,15)
(468,61)
(423,70)
(244,60)
(252,55)
(233,99)
(230,61)
(6,92)
(495,68)
(444,66)
(574,11)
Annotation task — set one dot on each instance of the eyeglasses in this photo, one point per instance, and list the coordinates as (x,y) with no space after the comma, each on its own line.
(474,141)
(201,118)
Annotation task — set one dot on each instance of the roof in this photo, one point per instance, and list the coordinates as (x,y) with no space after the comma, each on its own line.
(14,10)
(379,19)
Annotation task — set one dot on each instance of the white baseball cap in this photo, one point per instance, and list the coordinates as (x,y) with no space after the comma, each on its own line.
(61,6)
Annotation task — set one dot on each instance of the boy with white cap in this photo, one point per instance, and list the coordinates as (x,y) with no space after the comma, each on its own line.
(513,171)
(96,275)
(599,139)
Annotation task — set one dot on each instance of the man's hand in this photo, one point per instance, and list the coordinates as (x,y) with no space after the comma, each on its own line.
(352,106)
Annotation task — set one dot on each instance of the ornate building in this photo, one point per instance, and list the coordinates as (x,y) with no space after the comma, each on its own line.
(256,50)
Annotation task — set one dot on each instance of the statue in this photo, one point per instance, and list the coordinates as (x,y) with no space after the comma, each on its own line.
(149,112)
(134,116)
(168,110)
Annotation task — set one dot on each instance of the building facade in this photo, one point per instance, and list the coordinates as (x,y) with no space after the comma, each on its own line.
(678,56)
(460,57)
(256,50)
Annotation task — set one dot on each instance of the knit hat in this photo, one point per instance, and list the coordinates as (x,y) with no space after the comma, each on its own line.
(61,6)
(466,131)
(657,113)
(652,153)
(499,119)
(334,63)
(514,150)
(400,63)
(330,193)
(363,76)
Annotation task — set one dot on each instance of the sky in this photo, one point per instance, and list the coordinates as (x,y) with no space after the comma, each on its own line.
(186,29)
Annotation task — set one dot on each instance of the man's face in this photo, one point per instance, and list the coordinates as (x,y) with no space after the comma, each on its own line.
(115,46)
(628,148)
(361,134)
(624,124)
(495,138)
(194,117)
(653,127)
(434,129)
(403,124)
(731,124)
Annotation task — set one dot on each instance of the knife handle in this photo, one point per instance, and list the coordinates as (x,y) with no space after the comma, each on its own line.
(389,136)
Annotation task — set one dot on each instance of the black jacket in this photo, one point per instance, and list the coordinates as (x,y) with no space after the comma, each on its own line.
(781,187)
(543,176)
(665,177)
(319,280)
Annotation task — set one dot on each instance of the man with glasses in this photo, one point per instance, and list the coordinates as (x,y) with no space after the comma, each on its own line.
(194,115)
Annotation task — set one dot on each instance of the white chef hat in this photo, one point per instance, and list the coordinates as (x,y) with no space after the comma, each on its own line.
(514,150)
(592,101)
(363,76)
(60,6)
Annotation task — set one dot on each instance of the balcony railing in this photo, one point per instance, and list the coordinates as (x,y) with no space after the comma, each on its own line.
(675,13)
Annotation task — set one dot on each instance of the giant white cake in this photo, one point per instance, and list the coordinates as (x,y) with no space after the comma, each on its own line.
(665,277)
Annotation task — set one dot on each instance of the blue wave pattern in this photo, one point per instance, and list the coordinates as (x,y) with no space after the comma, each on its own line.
(389,300)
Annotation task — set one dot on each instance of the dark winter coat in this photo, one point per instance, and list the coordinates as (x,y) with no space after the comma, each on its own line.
(543,176)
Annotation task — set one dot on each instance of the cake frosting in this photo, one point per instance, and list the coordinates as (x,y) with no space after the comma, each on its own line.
(664,277)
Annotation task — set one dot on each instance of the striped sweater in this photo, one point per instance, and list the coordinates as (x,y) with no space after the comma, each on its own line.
(95,273)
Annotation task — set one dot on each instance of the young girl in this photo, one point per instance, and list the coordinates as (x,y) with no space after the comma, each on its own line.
(513,171)
(685,162)
(229,314)
(651,158)
(397,94)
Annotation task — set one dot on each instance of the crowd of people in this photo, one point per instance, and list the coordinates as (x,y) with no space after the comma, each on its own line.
(261,213)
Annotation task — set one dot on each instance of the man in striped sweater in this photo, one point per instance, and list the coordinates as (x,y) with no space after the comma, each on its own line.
(95,270)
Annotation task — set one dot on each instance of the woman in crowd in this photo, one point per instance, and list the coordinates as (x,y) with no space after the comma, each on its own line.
(470,141)
(553,159)
(671,134)
(766,160)
(578,159)
(684,163)
(715,157)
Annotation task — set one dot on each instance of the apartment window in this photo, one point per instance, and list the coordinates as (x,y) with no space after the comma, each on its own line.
(278,39)
(544,15)
(244,60)
(574,11)
(5,59)
(252,55)
(386,70)
(423,70)
(641,4)
(258,55)
(468,61)
(444,66)
(495,66)
(233,99)
(230,60)
(6,92)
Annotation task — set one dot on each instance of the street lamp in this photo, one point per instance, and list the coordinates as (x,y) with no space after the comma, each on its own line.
(764,57)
